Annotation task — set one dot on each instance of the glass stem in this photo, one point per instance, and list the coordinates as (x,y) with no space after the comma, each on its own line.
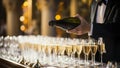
(87,58)
(78,56)
(85,61)
(72,55)
(93,59)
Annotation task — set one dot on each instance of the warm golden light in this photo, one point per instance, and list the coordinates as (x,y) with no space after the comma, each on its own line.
(22,28)
(84,1)
(25,21)
(58,17)
(25,4)
(22,18)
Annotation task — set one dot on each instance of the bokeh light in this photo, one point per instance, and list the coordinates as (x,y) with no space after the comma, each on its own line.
(22,18)
(25,4)
(58,17)
(22,28)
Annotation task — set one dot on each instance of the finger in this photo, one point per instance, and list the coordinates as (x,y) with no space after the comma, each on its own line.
(67,31)
(72,31)
(77,32)
(77,15)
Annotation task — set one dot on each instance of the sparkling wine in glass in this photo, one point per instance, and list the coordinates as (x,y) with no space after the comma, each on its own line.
(74,49)
(86,51)
(101,48)
(79,49)
(61,49)
(55,49)
(55,52)
(94,48)
(69,50)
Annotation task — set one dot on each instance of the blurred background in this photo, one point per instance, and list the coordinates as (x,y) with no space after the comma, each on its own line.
(31,17)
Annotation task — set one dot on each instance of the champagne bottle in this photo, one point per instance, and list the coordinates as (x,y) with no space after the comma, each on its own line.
(66,23)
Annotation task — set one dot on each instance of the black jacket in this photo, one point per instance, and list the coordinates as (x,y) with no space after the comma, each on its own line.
(111,24)
(109,30)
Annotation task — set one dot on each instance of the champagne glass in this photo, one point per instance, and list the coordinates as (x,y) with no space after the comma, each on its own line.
(93,52)
(39,48)
(79,49)
(49,49)
(101,47)
(75,48)
(43,47)
(69,50)
(86,50)
(55,49)
(55,52)
(61,51)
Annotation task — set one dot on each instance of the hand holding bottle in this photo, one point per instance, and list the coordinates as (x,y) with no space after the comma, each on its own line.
(83,28)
